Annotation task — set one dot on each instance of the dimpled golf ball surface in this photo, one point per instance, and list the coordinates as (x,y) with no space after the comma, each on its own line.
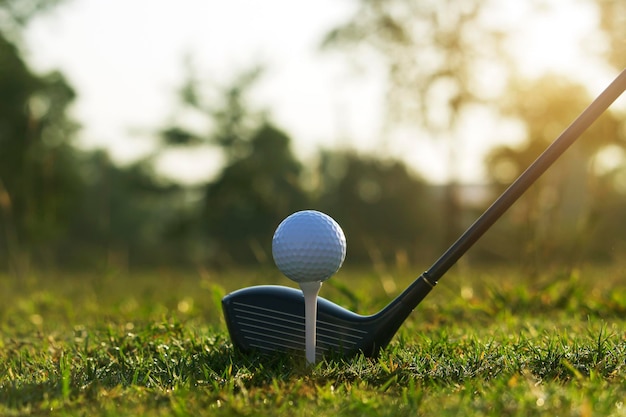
(308,246)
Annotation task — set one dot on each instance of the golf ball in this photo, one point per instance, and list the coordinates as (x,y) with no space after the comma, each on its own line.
(308,246)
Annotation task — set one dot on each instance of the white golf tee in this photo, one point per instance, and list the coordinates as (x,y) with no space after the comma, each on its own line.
(310,291)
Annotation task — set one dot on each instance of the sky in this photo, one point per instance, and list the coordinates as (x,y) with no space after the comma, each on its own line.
(125,59)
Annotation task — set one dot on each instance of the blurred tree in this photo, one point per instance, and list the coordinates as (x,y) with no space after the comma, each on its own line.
(609,194)
(558,210)
(613,23)
(125,218)
(15,14)
(260,183)
(38,179)
(387,214)
(435,53)
(59,205)
(608,240)
(251,197)
(228,121)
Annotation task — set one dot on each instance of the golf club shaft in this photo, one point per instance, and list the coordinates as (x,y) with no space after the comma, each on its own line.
(422,286)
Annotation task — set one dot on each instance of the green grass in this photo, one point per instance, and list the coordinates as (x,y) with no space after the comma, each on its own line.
(485,342)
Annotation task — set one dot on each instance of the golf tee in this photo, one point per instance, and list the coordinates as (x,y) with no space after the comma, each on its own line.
(310,291)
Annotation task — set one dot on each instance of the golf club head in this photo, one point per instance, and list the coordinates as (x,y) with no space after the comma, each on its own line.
(270,318)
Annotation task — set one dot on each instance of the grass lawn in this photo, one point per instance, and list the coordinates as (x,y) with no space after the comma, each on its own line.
(485,342)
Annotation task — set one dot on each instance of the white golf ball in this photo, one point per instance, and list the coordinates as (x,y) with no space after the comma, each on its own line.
(308,246)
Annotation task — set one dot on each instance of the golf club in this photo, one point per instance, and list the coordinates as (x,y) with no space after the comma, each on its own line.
(270,318)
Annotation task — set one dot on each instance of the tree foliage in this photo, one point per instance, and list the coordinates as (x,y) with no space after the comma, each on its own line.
(228,118)
(251,196)
(613,24)
(126,216)
(39,181)
(562,206)
(435,53)
(387,212)
(15,14)
(547,106)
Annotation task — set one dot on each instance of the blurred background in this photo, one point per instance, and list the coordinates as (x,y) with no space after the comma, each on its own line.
(179,134)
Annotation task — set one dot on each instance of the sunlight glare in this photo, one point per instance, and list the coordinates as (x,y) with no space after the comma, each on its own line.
(608,159)
(556,39)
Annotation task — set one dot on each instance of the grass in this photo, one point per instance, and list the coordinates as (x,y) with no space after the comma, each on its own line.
(485,342)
